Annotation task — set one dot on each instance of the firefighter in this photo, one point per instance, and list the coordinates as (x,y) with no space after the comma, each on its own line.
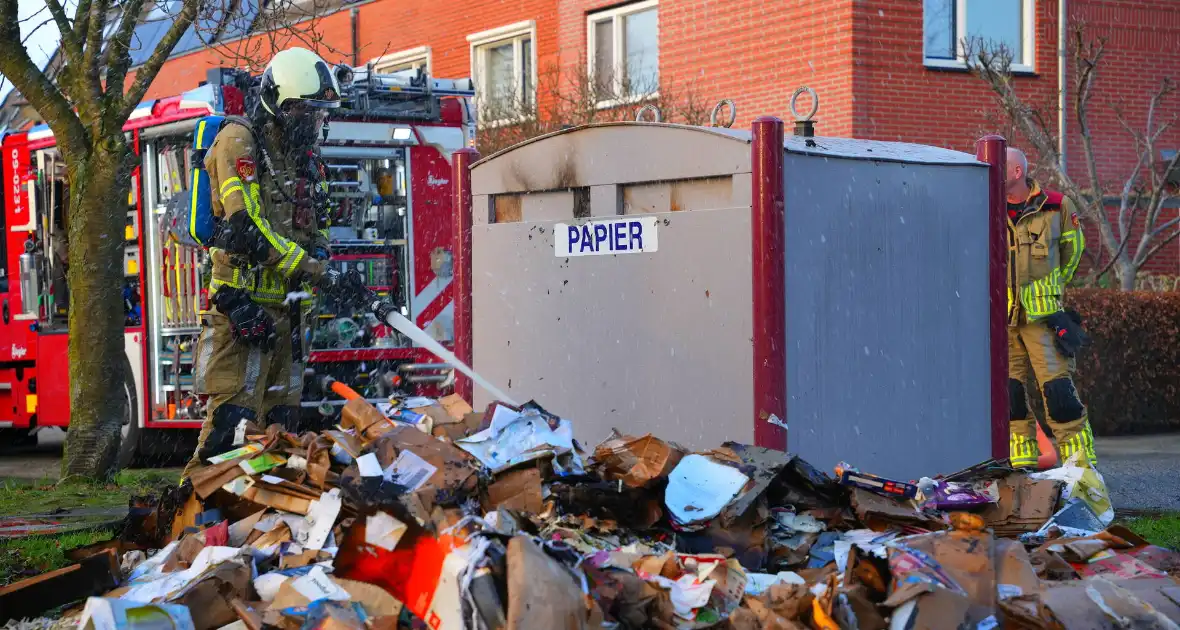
(1045,244)
(269,192)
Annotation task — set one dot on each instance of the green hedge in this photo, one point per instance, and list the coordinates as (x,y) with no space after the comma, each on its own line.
(1129,377)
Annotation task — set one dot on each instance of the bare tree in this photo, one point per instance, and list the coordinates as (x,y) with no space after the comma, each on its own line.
(571,96)
(86,105)
(282,24)
(1136,231)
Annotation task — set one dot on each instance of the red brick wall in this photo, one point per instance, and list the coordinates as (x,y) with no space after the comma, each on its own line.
(757,52)
(897,98)
(389,26)
(754,52)
(393,25)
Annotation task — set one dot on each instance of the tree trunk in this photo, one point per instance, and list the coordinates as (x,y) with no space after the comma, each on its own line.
(97,215)
(1126,271)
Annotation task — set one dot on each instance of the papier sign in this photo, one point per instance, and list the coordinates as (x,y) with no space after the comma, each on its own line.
(606,237)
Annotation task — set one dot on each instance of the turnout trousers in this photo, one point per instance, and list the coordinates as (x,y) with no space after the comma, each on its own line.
(243,383)
(1031,347)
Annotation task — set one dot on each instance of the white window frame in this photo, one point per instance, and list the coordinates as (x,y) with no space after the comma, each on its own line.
(1027,36)
(618,53)
(411,56)
(479,42)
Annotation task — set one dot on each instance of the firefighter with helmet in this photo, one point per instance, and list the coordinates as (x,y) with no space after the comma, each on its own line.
(1045,244)
(270,193)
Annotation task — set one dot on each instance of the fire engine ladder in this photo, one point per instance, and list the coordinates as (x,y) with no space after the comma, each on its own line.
(408,94)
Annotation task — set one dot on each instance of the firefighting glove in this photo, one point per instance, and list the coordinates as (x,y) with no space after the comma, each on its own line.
(350,288)
(1067,331)
(248,321)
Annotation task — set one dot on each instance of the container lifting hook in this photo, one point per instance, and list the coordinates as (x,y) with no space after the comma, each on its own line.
(657,116)
(717,109)
(804,125)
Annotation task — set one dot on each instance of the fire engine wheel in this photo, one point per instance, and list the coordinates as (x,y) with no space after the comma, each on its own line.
(129,446)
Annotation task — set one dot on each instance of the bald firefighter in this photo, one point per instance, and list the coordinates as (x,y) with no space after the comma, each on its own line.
(1045,245)
(269,193)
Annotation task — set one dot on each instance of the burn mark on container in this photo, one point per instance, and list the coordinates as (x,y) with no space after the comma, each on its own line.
(566,175)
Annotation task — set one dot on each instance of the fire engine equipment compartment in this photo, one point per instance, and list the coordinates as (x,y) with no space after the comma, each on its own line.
(632,275)
(387,156)
(369,234)
(34,390)
(176,276)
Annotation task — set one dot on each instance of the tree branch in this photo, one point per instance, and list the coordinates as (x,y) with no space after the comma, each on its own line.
(1158,184)
(1086,58)
(117,60)
(29,35)
(994,66)
(69,42)
(82,20)
(1162,244)
(1125,221)
(1145,143)
(35,14)
(1123,240)
(41,93)
(148,71)
(1163,227)
(280,24)
(88,97)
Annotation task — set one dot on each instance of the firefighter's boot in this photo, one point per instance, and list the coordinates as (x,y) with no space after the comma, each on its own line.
(218,434)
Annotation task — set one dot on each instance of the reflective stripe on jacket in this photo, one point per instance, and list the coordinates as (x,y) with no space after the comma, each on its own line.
(1045,244)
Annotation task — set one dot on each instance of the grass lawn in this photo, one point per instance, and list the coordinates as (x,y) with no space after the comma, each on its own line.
(33,555)
(1161,530)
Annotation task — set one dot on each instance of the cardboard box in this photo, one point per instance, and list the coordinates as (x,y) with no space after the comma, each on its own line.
(1141,602)
(516,490)
(541,592)
(1025,505)
(455,469)
(1015,576)
(636,461)
(956,561)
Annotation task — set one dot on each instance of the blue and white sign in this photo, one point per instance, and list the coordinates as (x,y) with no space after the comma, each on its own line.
(606,237)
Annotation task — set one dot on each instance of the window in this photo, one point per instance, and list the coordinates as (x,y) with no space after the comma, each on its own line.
(950,23)
(503,65)
(624,52)
(411,59)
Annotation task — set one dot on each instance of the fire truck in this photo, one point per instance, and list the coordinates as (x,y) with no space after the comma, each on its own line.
(387,153)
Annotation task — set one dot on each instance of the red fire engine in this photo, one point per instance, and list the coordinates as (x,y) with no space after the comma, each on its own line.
(388,154)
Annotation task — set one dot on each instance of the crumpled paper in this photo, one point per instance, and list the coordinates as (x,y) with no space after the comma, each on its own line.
(699,488)
(1085,484)
(515,437)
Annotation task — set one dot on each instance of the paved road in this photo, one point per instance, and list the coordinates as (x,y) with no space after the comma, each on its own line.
(1142,472)
(41,462)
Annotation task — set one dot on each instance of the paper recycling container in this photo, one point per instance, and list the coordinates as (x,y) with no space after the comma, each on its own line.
(829,296)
